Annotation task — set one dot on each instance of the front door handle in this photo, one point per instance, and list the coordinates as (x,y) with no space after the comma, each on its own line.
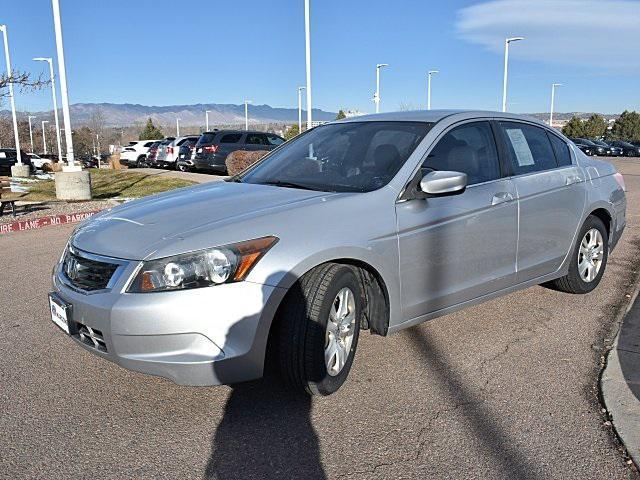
(501,197)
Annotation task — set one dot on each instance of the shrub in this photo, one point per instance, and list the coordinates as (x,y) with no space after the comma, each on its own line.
(241,159)
(114,162)
(52,167)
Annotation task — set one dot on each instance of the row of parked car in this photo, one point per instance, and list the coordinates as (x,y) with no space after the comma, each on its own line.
(207,152)
(608,148)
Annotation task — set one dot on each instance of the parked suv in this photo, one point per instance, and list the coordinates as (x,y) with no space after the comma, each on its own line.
(135,154)
(168,155)
(8,158)
(213,147)
(184,163)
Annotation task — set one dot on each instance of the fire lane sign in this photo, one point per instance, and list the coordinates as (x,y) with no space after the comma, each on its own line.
(35,223)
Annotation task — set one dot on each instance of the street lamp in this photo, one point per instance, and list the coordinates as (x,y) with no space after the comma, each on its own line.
(300,109)
(246,114)
(507,41)
(307,38)
(3,29)
(206,120)
(429,74)
(376,96)
(31,131)
(44,137)
(177,127)
(553,95)
(55,101)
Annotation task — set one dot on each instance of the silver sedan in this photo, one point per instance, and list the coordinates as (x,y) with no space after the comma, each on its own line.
(371,223)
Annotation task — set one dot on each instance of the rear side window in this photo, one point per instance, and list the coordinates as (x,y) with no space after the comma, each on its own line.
(275,140)
(231,138)
(148,144)
(561,149)
(470,149)
(256,139)
(529,148)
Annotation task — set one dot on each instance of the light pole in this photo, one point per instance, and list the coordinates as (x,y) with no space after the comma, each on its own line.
(307,39)
(55,101)
(31,131)
(300,109)
(376,96)
(507,41)
(44,137)
(553,95)
(177,127)
(98,150)
(3,28)
(429,74)
(206,120)
(246,114)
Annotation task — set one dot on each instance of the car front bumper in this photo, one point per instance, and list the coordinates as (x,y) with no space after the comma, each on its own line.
(205,336)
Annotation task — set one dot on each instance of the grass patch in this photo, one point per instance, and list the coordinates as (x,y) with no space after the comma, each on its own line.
(113,183)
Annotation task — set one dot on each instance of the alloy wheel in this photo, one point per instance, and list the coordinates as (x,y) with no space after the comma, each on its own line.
(590,255)
(341,326)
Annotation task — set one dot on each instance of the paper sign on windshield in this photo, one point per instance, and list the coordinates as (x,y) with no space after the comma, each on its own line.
(520,146)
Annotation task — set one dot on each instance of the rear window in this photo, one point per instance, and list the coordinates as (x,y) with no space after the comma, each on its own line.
(256,139)
(231,138)
(206,138)
(529,148)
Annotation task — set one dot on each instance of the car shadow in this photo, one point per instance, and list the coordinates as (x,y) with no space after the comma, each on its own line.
(266,430)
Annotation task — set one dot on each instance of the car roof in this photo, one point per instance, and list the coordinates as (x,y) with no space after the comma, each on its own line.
(213,132)
(433,116)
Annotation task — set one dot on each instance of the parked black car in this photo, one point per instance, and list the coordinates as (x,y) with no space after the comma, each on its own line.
(586,147)
(184,163)
(612,151)
(596,148)
(9,157)
(628,149)
(213,147)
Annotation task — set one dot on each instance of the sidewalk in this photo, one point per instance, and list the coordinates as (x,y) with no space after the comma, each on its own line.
(620,382)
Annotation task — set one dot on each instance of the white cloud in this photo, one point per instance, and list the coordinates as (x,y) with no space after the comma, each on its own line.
(603,34)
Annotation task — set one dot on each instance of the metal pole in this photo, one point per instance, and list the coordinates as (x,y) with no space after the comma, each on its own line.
(300,109)
(55,108)
(507,41)
(206,120)
(177,127)
(31,132)
(553,94)
(307,37)
(429,74)
(246,114)
(44,137)
(11,97)
(98,150)
(377,96)
(63,82)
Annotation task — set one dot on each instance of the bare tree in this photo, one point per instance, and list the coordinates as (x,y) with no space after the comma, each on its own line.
(23,80)
(97,123)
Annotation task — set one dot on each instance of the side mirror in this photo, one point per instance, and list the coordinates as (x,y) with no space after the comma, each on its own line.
(443,183)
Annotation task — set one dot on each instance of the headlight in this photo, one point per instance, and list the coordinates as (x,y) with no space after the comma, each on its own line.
(213,266)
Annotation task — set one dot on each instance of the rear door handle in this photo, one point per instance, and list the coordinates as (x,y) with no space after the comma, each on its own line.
(571,179)
(501,197)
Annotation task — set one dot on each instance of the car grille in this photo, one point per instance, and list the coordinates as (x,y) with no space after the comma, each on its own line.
(87,274)
(91,337)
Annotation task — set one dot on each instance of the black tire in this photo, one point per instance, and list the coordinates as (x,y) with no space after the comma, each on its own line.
(302,325)
(573,282)
(140,161)
(181,167)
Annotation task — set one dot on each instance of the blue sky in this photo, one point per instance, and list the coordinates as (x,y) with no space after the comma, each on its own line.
(165,52)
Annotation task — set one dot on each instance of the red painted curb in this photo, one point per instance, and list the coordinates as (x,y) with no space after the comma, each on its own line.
(35,223)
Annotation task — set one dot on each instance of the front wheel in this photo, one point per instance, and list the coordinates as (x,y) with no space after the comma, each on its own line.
(319,327)
(589,259)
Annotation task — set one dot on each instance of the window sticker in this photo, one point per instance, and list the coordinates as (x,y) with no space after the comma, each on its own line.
(521,147)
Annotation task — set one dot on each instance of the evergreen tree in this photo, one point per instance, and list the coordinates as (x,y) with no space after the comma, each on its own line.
(341,115)
(574,128)
(291,132)
(595,127)
(151,132)
(627,126)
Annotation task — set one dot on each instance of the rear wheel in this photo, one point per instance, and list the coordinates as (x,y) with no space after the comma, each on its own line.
(588,261)
(140,161)
(318,329)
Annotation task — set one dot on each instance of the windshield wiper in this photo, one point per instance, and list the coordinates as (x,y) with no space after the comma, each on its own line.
(281,183)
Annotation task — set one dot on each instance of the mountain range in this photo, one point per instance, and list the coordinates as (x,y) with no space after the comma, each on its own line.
(126,114)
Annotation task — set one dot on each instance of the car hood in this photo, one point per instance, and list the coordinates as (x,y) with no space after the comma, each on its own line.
(137,229)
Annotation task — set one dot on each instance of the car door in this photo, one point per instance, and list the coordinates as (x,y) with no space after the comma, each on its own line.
(459,247)
(551,197)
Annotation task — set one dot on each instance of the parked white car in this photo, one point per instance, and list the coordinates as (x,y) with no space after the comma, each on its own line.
(135,153)
(37,161)
(168,155)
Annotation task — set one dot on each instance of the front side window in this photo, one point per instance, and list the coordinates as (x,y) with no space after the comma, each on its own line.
(470,149)
(256,139)
(561,149)
(275,140)
(529,148)
(343,157)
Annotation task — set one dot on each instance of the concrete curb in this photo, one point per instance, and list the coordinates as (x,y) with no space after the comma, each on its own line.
(35,223)
(622,406)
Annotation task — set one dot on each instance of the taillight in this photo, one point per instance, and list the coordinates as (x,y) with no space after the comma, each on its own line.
(620,179)
(211,148)
(169,149)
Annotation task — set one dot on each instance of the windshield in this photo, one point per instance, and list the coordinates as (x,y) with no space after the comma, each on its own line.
(341,157)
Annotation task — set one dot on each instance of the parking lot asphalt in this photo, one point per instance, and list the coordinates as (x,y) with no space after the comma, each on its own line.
(506,389)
